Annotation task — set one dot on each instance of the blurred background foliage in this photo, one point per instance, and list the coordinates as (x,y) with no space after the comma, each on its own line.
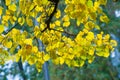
(100,69)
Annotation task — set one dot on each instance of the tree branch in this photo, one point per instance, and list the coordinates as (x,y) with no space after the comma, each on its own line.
(51,15)
(20,65)
(64,32)
(6,32)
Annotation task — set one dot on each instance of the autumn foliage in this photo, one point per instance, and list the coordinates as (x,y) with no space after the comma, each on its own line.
(26,24)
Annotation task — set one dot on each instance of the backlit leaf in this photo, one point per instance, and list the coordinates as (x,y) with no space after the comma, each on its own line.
(1,28)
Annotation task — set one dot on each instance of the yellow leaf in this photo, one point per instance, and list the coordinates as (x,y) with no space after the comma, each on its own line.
(13,19)
(21,20)
(46,57)
(1,10)
(35,49)
(99,36)
(32,7)
(107,36)
(93,16)
(17,56)
(97,27)
(39,8)
(28,41)
(61,60)
(70,57)
(57,23)
(12,7)
(1,38)
(103,2)
(65,18)
(78,21)
(29,22)
(89,3)
(82,1)
(52,25)
(39,67)
(91,52)
(8,44)
(31,60)
(56,61)
(75,63)
(82,62)
(83,57)
(96,5)
(44,2)
(106,54)
(91,60)
(104,19)
(113,43)
(100,53)
(6,18)
(1,28)
(99,42)
(7,2)
(68,62)
(58,14)
(66,24)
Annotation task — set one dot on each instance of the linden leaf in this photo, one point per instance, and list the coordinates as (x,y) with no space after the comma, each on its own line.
(29,22)
(39,70)
(68,62)
(82,1)
(8,44)
(100,53)
(82,62)
(46,57)
(58,14)
(1,10)
(104,19)
(21,20)
(91,60)
(35,49)
(106,54)
(83,57)
(31,7)
(1,28)
(66,24)
(97,27)
(78,21)
(113,42)
(61,60)
(12,7)
(91,52)
(103,2)
(31,60)
(52,25)
(1,38)
(44,1)
(71,57)
(65,18)
(28,41)
(89,3)
(56,61)
(7,2)
(75,63)
(57,23)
